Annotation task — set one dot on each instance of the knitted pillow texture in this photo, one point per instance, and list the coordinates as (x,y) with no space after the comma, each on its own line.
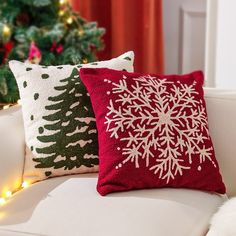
(152,131)
(60,128)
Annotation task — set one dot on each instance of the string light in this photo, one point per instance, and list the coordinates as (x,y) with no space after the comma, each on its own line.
(19,102)
(63,2)
(85,60)
(6,106)
(25,184)
(69,20)
(8,194)
(81,32)
(2,201)
(61,13)
(6,30)
(2,215)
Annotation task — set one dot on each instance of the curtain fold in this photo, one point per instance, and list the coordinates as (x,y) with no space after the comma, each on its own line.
(130,25)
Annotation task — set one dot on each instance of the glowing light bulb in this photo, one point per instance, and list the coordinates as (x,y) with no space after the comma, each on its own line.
(6,30)
(81,32)
(2,215)
(2,201)
(19,102)
(6,106)
(61,13)
(69,20)
(62,2)
(25,184)
(8,194)
(85,61)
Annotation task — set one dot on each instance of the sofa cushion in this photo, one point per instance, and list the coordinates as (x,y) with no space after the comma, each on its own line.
(71,206)
(152,131)
(60,128)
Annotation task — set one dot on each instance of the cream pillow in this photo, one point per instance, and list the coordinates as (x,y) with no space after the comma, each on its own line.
(60,128)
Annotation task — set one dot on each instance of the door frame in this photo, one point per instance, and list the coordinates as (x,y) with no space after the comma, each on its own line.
(211,42)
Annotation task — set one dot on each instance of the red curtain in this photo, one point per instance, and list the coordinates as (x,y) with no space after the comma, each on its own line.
(130,25)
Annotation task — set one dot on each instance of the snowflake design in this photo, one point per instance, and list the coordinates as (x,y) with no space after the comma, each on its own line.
(148,114)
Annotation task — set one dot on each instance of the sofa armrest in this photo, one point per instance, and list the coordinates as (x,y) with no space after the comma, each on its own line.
(221,109)
(12,149)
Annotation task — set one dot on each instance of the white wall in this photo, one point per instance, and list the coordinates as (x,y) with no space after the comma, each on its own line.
(211,42)
(171,12)
(184,35)
(225,67)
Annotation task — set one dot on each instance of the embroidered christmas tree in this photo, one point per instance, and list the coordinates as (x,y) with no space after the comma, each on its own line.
(70,128)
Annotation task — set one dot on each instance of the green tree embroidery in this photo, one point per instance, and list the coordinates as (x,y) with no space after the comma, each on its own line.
(72,127)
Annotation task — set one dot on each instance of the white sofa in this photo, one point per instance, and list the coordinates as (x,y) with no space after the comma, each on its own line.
(71,206)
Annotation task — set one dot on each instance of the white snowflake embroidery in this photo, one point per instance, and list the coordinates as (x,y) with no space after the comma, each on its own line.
(149,117)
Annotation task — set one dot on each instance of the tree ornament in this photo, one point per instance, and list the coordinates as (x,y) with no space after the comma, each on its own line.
(5,49)
(61,13)
(22,19)
(60,48)
(56,47)
(62,10)
(92,46)
(81,32)
(35,55)
(69,20)
(85,60)
(6,31)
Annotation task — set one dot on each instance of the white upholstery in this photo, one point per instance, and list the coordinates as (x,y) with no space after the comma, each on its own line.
(13,233)
(221,108)
(223,221)
(71,206)
(11,149)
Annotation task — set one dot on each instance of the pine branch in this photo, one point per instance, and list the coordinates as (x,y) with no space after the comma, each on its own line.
(45,22)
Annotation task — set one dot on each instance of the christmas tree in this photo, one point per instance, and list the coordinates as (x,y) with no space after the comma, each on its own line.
(64,123)
(48,32)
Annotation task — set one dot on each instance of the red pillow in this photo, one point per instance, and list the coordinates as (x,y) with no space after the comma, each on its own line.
(152,130)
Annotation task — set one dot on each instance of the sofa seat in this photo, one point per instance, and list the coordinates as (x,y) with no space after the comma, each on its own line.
(71,206)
